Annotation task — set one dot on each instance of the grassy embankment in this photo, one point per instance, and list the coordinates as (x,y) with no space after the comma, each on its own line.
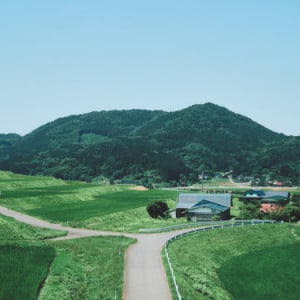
(87,268)
(24,258)
(116,207)
(255,262)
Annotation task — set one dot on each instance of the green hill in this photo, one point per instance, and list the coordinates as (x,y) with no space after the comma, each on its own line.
(168,146)
(6,143)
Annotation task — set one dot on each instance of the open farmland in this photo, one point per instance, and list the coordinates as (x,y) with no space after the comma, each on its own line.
(114,207)
(24,258)
(87,268)
(23,270)
(208,254)
(271,273)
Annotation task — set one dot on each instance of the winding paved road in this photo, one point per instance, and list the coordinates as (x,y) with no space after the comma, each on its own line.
(145,277)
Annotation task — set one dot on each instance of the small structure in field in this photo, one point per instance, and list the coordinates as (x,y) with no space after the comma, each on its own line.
(204,207)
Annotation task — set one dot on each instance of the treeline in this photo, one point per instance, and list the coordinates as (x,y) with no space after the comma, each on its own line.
(287,213)
(153,146)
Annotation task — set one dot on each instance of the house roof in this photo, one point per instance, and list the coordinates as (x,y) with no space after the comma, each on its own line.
(265,207)
(277,195)
(186,200)
(254,193)
(267,195)
(210,204)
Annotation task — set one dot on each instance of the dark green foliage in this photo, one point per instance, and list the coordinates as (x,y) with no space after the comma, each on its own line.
(295,199)
(157,209)
(250,210)
(261,275)
(290,213)
(6,143)
(23,270)
(168,146)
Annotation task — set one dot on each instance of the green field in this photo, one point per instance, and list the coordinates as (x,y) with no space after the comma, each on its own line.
(114,207)
(207,265)
(87,268)
(272,273)
(23,270)
(203,260)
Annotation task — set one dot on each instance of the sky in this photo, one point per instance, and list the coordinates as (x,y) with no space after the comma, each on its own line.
(64,57)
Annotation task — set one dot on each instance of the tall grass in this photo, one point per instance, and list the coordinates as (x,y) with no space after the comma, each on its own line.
(13,231)
(87,268)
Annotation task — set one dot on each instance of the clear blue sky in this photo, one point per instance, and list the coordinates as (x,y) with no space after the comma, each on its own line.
(63,57)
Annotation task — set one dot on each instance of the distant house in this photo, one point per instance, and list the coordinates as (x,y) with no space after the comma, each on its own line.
(277,197)
(270,200)
(277,183)
(203,207)
(268,207)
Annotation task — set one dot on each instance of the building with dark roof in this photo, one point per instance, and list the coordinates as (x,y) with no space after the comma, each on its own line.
(203,207)
(277,197)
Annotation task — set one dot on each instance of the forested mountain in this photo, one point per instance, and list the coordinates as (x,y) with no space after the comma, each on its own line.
(153,145)
(6,143)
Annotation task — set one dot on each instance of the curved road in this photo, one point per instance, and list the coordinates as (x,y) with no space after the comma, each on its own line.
(145,277)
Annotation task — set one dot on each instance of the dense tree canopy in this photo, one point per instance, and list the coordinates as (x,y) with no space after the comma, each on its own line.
(160,146)
(158,209)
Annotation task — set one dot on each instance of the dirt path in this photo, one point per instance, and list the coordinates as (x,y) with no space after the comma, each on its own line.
(145,277)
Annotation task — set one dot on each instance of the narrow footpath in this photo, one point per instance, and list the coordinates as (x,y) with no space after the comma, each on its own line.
(145,277)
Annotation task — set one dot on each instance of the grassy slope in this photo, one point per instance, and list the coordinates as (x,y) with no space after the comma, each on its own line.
(116,207)
(197,258)
(89,268)
(24,258)
(14,231)
(272,273)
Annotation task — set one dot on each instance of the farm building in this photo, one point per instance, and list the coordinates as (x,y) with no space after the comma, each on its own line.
(266,196)
(203,207)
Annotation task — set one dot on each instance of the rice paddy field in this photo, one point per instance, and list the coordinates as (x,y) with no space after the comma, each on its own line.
(254,262)
(33,265)
(115,207)
(23,270)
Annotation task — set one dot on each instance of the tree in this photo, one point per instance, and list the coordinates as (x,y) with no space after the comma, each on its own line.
(157,209)
(250,210)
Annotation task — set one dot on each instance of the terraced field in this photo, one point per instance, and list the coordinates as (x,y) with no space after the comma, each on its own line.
(116,207)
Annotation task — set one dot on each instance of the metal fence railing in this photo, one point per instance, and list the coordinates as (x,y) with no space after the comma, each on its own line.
(200,224)
(228,224)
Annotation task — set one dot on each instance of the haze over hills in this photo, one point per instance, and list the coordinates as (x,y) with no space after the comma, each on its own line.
(153,146)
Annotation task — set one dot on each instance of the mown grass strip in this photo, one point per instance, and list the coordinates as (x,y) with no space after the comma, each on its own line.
(197,258)
(13,231)
(272,273)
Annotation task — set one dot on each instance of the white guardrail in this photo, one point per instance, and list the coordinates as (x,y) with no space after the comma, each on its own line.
(223,225)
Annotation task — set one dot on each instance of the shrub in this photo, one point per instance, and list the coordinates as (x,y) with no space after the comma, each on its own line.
(157,209)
